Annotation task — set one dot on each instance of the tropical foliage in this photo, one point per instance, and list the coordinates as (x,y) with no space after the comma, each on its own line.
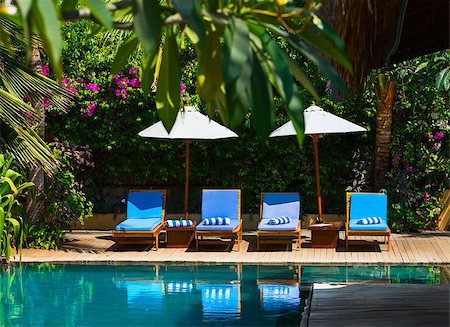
(239,60)
(12,186)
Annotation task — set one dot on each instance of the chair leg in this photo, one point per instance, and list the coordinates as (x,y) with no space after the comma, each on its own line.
(196,242)
(156,241)
(257,242)
(346,242)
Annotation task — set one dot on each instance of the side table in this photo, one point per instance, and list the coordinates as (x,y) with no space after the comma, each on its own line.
(179,237)
(325,235)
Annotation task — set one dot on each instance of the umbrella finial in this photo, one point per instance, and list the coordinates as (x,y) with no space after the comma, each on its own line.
(313,103)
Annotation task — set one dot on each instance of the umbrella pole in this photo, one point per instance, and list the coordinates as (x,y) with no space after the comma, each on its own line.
(315,138)
(186,184)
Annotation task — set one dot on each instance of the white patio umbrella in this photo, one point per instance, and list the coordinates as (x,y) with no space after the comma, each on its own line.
(317,122)
(189,125)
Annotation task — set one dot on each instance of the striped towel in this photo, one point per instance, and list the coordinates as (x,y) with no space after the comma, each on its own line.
(370,221)
(279,220)
(179,223)
(217,221)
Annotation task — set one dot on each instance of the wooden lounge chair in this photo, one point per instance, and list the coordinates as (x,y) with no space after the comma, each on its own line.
(144,220)
(366,205)
(224,203)
(277,205)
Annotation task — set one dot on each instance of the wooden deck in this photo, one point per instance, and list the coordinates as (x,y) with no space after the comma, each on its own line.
(98,246)
(388,305)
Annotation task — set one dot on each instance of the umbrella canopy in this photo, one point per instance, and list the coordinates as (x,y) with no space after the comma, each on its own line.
(317,122)
(189,125)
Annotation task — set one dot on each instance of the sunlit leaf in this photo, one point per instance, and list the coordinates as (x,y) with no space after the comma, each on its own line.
(124,52)
(100,12)
(168,87)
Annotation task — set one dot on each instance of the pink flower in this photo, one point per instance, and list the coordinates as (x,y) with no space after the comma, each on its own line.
(26,98)
(73,89)
(110,123)
(438,135)
(79,80)
(45,70)
(92,87)
(133,71)
(134,82)
(66,81)
(28,115)
(45,103)
(91,109)
(426,197)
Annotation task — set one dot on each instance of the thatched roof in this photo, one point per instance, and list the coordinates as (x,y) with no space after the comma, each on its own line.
(382,32)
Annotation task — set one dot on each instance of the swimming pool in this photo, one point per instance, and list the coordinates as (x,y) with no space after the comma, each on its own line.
(177,295)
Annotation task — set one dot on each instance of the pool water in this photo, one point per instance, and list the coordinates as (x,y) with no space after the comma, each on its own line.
(177,295)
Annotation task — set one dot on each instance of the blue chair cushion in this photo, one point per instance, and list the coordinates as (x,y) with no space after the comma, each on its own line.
(231,226)
(138,224)
(179,223)
(220,203)
(145,204)
(281,204)
(265,226)
(217,221)
(279,220)
(368,205)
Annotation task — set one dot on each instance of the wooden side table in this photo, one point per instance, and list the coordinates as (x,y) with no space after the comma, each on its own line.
(325,235)
(179,237)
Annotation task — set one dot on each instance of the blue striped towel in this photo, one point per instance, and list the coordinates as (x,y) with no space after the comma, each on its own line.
(279,220)
(370,221)
(217,221)
(179,223)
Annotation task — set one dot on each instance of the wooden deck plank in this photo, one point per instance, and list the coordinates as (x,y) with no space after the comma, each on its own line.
(425,248)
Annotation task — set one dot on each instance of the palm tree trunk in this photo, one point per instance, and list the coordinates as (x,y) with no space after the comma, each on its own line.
(385,93)
(35,208)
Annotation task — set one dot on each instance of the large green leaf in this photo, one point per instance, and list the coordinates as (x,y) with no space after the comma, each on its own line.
(442,79)
(45,18)
(301,76)
(100,12)
(146,72)
(168,88)
(261,101)
(209,73)
(236,49)
(123,53)
(147,24)
(295,113)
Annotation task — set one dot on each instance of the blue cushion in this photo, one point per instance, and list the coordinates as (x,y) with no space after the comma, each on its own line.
(217,221)
(138,224)
(220,203)
(231,226)
(265,226)
(281,204)
(368,205)
(279,220)
(179,223)
(146,204)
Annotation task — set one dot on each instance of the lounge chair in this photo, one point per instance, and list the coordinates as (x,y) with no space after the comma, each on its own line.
(366,205)
(144,220)
(275,205)
(220,204)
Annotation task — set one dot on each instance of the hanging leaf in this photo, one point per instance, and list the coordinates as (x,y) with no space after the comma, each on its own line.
(100,12)
(147,24)
(123,53)
(295,113)
(45,19)
(146,72)
(168,89)
(261,101)
(301,77)
(209,73)
(236,49)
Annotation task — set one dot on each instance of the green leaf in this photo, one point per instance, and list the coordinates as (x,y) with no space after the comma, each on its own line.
(441,77)
(295,113)
(123,53)
(190,12)
(236,49)
(301,77)
(261,101)
(168,89)
(69,5)
(209,76)
(2,224)
(147,24)
(24,7)
(313,55)
(146,72)
(46,20)
(100,12)
(421,66)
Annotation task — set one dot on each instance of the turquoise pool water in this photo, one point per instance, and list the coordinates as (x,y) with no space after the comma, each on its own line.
(176,295)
